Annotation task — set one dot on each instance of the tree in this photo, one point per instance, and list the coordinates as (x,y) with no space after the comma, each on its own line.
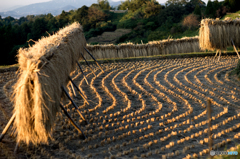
(234,5)
(95,15)
(171,14)
(216,5)
(210,10)
(104,4)
(133,5)
(197,11)
(38,28)
(152,9)
(81,15)
(22,20)
(191,21)
(63,18)
(177,2)
(8,20)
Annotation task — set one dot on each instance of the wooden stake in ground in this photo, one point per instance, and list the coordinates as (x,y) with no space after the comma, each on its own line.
(72,121)
(209,116)
(7,126)
(74,104)
(220,52)
(235,49)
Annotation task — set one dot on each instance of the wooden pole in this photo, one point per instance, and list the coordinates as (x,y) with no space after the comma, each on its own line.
(88,64)
(7,126)
(93,59)
(209,116)
(220,52)
(74,84)
(216,54)
(73,90)
(82,72)
(16,148)
(72,121)
(74,104)
(235,49)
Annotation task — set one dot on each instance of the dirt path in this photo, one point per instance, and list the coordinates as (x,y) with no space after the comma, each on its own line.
(153,109)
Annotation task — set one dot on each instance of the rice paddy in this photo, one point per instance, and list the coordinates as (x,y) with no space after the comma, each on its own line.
(153,108)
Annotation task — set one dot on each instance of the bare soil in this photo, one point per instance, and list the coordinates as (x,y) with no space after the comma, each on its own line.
(152,108)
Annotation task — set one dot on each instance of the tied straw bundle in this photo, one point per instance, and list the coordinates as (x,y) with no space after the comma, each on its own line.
(44,68)
(219,34)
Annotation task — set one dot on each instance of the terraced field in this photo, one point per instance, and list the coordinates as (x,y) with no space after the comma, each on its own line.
(153,108)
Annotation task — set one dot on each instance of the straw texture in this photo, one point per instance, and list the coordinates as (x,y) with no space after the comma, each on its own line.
(125,50)
(44,67)
(217,34)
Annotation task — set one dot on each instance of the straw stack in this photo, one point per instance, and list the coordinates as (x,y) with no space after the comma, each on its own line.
(217,34)
(44,67)
(125,50)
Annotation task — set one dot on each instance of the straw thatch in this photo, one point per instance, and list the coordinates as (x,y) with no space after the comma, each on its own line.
(217,34)
(44,67)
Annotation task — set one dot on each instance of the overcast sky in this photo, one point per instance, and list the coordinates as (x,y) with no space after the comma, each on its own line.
(11,3)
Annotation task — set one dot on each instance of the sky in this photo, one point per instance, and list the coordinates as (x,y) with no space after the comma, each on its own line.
(5,4)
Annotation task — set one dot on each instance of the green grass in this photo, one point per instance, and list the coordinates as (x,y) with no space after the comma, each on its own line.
(236,71)
(233,15)
(187,33)
(8,66)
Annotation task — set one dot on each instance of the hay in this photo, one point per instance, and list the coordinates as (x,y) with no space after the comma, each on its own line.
(44,67)
(125,50)
(217,34)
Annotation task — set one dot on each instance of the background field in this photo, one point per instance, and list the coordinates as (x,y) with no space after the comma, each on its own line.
(146,108)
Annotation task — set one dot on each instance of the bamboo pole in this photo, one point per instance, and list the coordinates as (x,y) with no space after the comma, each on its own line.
(88,64)
(93,59)
(82,72)
(74,84)
(74,104)
(72,121)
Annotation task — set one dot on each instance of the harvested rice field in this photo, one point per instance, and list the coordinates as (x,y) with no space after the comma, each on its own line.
(141,109)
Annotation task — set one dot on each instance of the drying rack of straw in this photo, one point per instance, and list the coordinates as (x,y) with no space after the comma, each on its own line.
(219,34)
(125,50)
(44,73)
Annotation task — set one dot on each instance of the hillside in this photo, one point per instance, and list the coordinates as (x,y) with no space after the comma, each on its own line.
(109,37)
(233,15)
(145,20)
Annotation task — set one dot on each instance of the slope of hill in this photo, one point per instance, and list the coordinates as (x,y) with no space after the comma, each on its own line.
(233,15)
(109,37)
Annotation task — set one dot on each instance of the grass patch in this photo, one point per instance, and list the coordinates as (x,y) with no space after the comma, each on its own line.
(236,71)
(233,15)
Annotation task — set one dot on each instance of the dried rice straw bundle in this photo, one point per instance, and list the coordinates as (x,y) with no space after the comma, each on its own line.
(44,67)
(218,34)
(111,51)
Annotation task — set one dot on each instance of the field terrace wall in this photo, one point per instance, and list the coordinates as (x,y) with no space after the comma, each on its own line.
(125,50)
(217,34)
(44,68)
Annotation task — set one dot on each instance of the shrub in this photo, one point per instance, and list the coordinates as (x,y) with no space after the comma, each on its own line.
(191,21)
